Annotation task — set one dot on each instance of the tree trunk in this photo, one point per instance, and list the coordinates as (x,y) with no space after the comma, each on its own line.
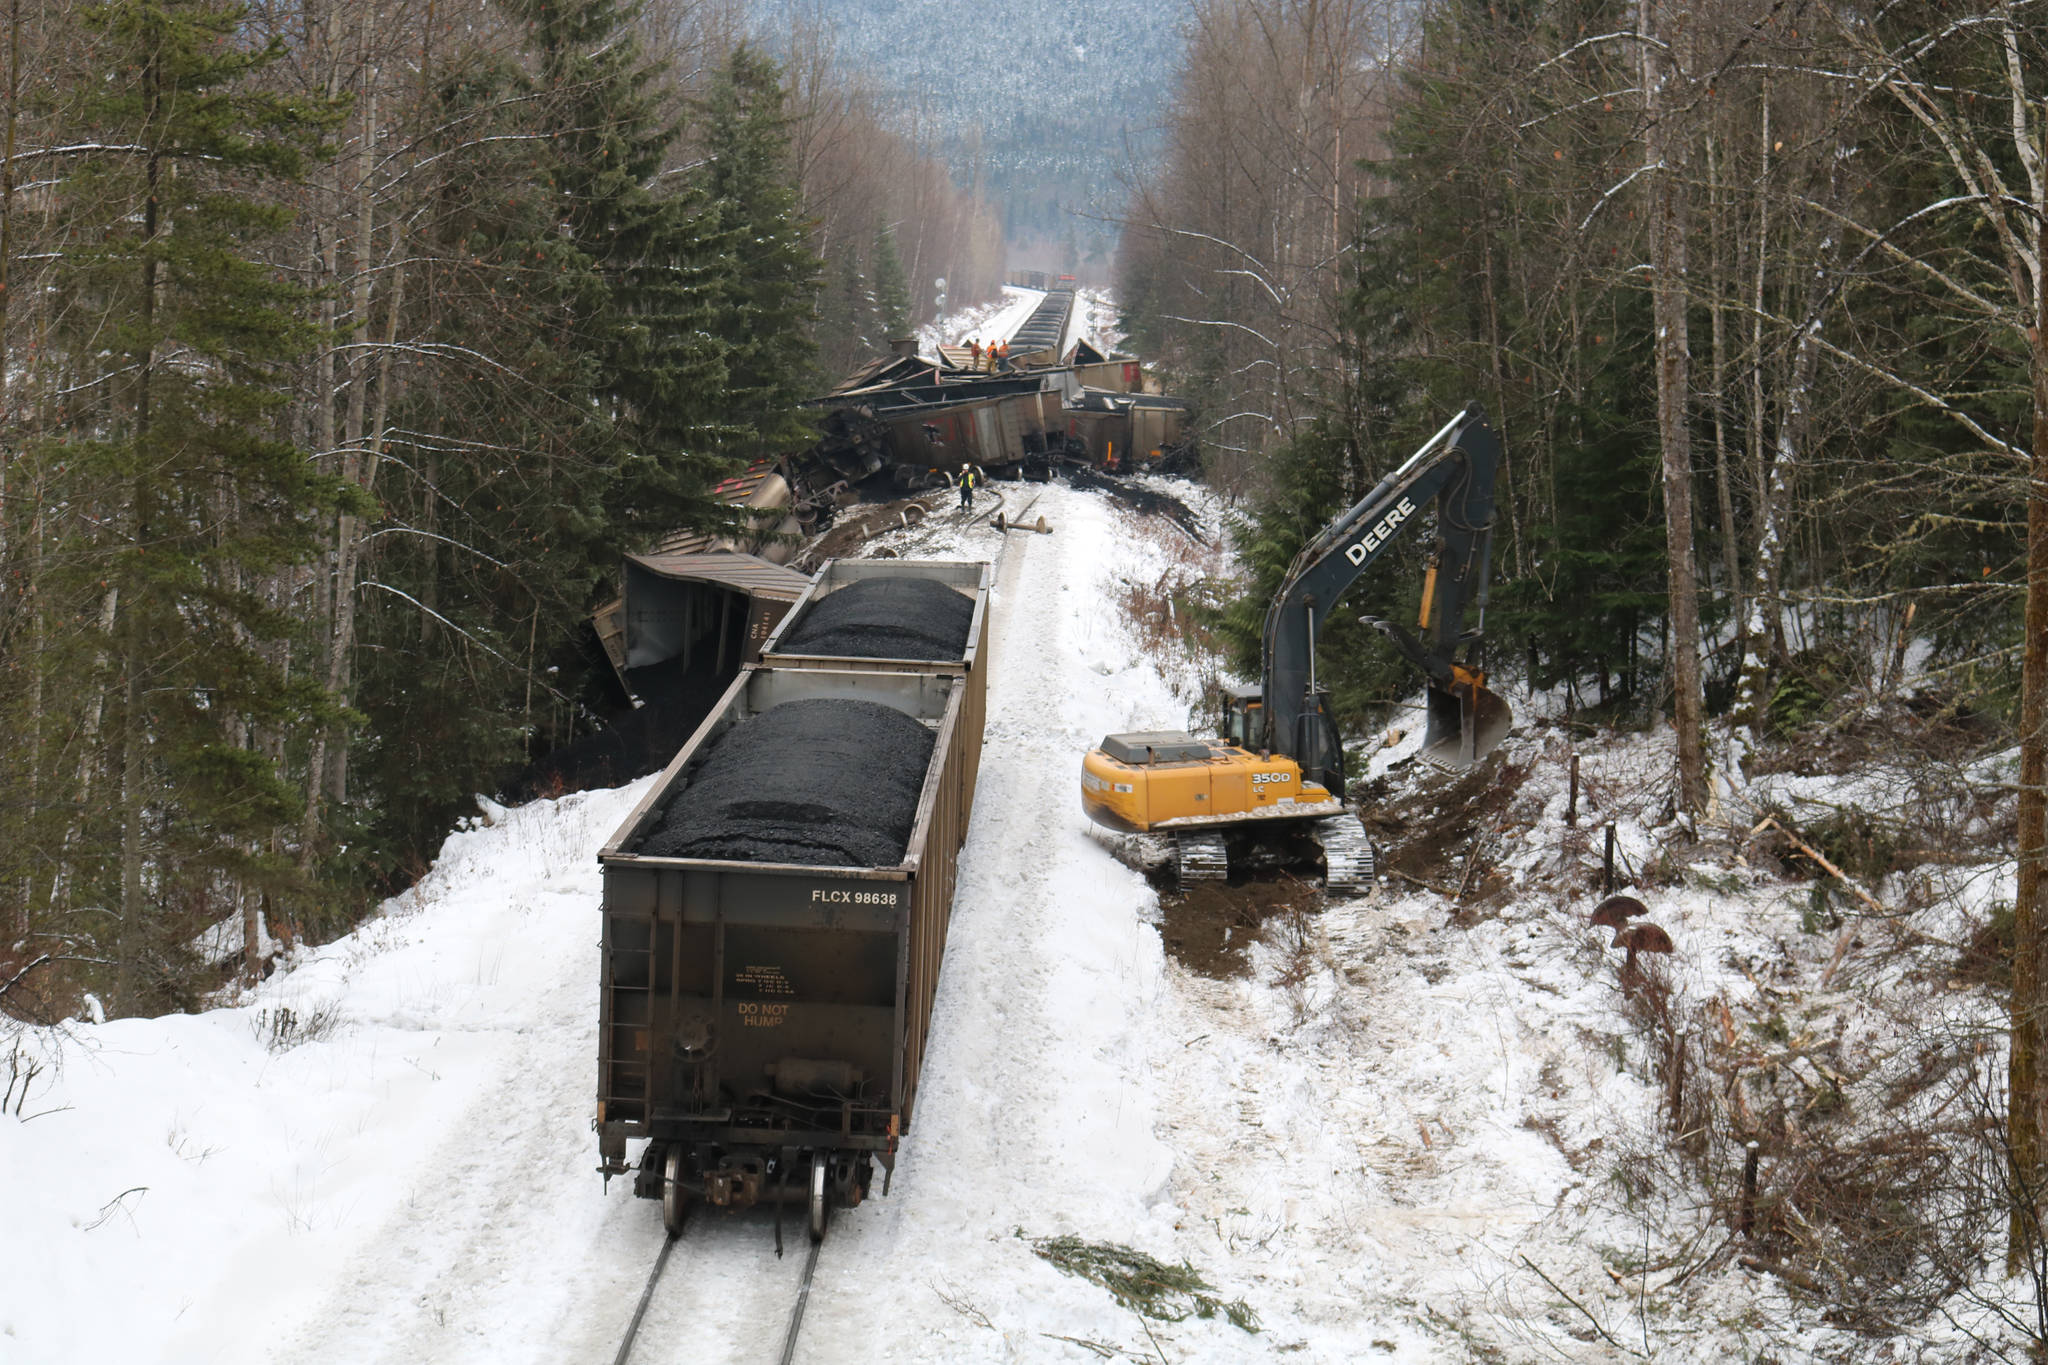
(2023,1087)
(38,653)
(32,758)
(328,592)
(1751,691)
(129,931)
(88,746)
(7,214)
(1665,149)
(1724,491)
(327,265)
(1774,514)
(352,551)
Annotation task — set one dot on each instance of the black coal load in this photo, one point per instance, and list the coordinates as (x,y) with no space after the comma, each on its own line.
(884,618)
(822,782)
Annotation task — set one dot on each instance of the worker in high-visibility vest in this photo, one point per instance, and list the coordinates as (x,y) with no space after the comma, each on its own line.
(966,486)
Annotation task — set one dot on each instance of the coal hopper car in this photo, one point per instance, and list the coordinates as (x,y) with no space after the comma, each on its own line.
(889,616)
(1046,328)
(775,910)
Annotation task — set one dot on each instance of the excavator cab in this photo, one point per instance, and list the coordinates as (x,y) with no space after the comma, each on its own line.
(1243,721)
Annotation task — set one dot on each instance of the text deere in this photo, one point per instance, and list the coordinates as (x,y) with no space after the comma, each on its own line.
(1378,534)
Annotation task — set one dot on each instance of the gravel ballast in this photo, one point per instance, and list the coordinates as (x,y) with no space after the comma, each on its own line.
(885,618)
(822,783)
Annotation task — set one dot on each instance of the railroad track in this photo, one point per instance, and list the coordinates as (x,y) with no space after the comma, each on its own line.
(791,1331)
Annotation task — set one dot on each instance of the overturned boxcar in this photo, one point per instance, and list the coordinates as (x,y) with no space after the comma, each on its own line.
(763,1016)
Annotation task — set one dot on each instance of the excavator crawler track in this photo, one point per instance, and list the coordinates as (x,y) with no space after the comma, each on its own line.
(1347,855)
(1200,858)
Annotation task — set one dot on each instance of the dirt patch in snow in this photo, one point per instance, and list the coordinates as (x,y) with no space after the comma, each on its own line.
(1209,927)
(1443,833)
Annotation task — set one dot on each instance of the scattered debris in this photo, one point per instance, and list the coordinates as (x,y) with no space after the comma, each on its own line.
(1433,833)
(1145,500)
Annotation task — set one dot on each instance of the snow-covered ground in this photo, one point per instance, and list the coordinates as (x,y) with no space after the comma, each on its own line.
(1394,1138)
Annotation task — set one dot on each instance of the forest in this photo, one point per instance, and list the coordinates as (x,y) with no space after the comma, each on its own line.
(1754,293)
(343,349)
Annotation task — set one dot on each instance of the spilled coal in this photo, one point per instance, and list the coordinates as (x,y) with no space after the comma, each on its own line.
(824,783)
(885,618)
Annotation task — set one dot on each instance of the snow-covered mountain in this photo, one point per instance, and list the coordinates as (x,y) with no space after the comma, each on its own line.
(1045,102)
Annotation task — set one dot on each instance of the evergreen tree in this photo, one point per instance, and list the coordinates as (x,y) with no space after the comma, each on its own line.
(892,290)
(625,283)
(593,294)
(1313,478)
(181,448)
(846,322)
(773,295)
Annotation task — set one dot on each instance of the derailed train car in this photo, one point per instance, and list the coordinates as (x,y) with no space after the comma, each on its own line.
(768,977)
(913,420)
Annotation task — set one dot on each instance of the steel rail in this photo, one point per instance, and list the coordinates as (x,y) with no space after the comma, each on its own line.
(646,1295)
(803,1296)
(796,1315)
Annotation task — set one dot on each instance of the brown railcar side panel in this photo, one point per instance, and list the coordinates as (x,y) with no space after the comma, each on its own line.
(932,900)
(932,905)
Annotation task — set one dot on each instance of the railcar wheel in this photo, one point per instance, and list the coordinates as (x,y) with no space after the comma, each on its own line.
(820,1163)
(673,1204)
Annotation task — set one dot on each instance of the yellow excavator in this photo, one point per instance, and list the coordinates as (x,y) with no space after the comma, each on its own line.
(1279,763)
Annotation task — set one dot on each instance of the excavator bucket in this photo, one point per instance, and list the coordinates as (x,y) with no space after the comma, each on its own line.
(1466,723)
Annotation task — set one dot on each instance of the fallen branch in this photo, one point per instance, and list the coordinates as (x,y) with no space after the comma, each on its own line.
(1798,1279)
(1581,1307)
(964,1306)
(42,960)
(1422,882)
(1101,1349)
(114,1205)
(1772,822)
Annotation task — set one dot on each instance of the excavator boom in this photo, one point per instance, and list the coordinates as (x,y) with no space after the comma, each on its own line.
(1455,469)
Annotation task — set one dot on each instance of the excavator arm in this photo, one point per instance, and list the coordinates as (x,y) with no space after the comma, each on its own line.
(1454,469)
